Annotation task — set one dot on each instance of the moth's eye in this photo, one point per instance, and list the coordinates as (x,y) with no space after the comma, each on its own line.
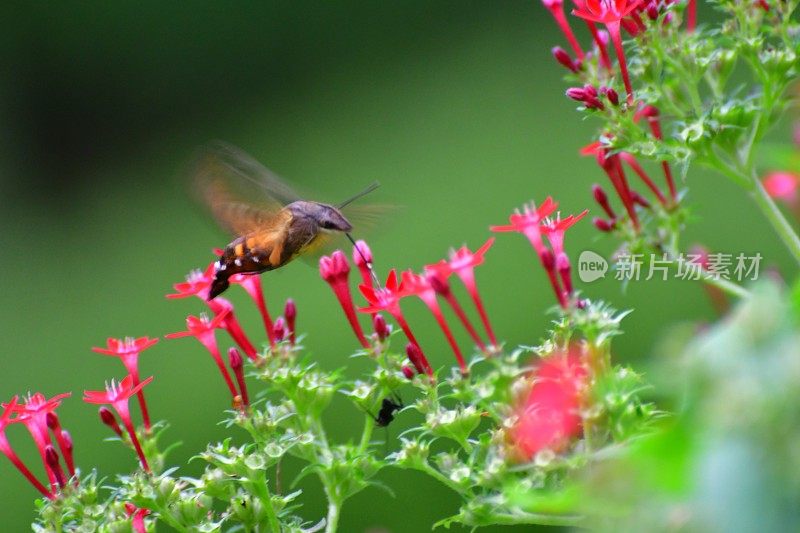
(327,224)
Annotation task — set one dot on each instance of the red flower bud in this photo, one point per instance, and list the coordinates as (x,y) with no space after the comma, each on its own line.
(408,372)
(564,59)
(51,458)
(417,359)
(290,312)
(548,260)
(279,329)
(52,421)
(576,93)
(652,11)
(110,420)
(612,95)
(602,224)
(381,328)
(237,364)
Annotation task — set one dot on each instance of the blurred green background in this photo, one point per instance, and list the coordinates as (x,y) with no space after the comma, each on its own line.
(456,107)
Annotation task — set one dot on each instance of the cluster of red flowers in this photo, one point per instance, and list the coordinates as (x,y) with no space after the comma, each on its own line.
(38,415)
(616,14)
(434,283)
(431,283)
(203,328)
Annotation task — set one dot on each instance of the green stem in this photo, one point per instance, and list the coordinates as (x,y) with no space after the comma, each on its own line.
(522,518)
(366,434)
(726,286)
(334,508)
(266,497)
(775,217)
(428,469)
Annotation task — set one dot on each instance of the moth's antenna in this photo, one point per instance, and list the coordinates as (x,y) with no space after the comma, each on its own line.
(374,185)
(368,263)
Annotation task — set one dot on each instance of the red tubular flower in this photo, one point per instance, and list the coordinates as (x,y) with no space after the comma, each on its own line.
(612,166)
(252,285)
(556,8)
(63,440)
(362,257)
(335,270)
(290,312)
(462,263)
(550,415)
(137,515)
(610,13)
(128,350)
(601,42)
(438,280)
(691,15)
(235,359)
(67,447)
(637,168)
(601,198)
(199,284)
(388,299)
(33,414)
(555,230)
(203,330)
(108,418)
(652,115)
(419,286)
(5,447)
(529,223)
(117,395)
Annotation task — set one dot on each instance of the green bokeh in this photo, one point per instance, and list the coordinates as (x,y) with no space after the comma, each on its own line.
(456,107)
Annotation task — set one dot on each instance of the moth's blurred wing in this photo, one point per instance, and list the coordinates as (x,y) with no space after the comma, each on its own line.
(241,194)
(325,243)
(365,218)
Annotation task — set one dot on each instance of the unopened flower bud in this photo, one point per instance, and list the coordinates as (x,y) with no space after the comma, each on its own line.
(52,421)
(279,329)
(110,420)
(630,26)
(639,199)
(51,458)
(67,439)
(415,357)
(407,372)
(290,312)
(576,93)
(652,11)
(602,224)
(381,328)
(564,59)
(612,96)
(548,261)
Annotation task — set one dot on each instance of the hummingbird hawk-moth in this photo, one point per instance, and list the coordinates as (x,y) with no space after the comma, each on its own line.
(271,223)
